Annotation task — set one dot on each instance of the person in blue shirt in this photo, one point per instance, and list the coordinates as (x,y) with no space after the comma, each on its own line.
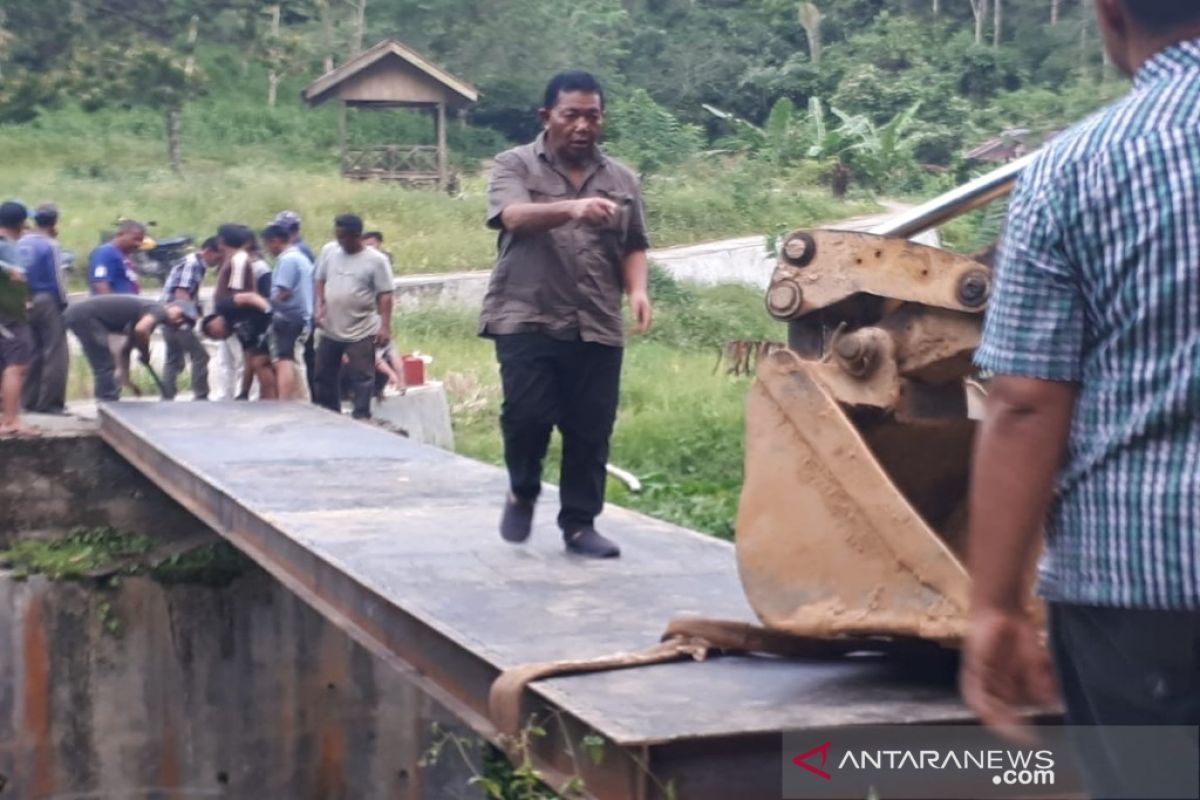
(292,306)
(45,389)
(290,221)
(109,266)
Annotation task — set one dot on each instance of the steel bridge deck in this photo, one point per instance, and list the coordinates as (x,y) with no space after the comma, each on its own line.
(396,543)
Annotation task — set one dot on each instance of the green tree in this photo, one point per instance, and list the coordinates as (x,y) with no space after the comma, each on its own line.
(141,73)
(649,136)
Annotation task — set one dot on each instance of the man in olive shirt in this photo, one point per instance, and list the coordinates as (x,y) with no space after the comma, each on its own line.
(16,337)
(354,312)
(572,238)
(94,319)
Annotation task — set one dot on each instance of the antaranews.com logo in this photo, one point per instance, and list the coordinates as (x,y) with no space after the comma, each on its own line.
(931,762)
(1009,767)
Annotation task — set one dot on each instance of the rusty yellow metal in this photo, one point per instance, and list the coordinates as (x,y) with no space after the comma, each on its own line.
(835,265)
(826,543)
(853,509)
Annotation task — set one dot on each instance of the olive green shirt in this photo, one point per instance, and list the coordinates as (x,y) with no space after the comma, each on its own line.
(14,294)
(567,282)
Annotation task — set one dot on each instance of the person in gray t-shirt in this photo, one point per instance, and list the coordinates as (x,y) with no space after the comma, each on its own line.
(354,313)
(94,319)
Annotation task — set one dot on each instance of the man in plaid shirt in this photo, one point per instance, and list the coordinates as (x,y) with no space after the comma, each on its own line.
(1093,417)
(183,283)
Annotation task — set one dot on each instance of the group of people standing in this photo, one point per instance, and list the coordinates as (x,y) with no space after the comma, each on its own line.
(33,348)
(313,326)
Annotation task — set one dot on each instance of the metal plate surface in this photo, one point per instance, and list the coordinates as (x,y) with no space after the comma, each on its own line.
(410,531)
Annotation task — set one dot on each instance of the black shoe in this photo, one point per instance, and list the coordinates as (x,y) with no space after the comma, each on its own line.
(517,520)
(587,542)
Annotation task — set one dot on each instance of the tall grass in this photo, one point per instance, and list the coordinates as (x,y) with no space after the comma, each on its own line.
(244,162)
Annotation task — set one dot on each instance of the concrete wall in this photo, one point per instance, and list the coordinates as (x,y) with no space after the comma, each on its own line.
(238,691)
(70,478)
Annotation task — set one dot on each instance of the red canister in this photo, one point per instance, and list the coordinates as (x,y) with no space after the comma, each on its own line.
(414,370)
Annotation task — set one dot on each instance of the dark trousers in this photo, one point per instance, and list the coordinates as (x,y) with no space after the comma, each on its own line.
(45,388)
(93,337)
(1120,666)
(573,385)
(310,363)
(360,368)
(182,342)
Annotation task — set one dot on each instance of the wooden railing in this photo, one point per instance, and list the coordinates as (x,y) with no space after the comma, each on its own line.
(411,163)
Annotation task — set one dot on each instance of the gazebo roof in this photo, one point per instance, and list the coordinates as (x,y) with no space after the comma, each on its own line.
(327,85)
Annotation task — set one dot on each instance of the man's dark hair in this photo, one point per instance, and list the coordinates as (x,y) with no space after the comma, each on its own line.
(13,214)
(1160,16)
(575,80)
(233,235)
(211,243)
(45,218)
(374,235)
(275,232)
(131,226)
(204,323)
(349,222)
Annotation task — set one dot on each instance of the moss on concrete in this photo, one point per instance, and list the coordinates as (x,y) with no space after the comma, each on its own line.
(101,553)
(77,555)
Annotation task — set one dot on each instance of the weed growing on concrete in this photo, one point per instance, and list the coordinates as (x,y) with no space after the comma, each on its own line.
(508,771)
(105,553)
(78,555)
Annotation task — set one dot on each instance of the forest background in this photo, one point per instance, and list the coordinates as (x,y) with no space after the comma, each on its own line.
(743,117)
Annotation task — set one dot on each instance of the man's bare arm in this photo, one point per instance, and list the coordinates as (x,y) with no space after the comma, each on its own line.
(1020,449)
(636,269)
(537,217)
(253,299)
(102,287)
(139,337)
(386,301)
(319,307)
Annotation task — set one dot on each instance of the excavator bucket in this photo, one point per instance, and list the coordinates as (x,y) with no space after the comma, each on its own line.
(827,544)
(858,436)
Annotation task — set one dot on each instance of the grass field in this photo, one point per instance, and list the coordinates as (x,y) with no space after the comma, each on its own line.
(108,164)
(680,425)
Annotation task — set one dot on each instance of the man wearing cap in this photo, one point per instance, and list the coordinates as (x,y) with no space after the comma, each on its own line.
(95,319)
(290,222)
(183,283)
(109,267)
(292,307)
(45,390)
(16,341)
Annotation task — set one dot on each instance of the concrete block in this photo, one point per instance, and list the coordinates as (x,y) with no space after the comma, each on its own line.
(423,412)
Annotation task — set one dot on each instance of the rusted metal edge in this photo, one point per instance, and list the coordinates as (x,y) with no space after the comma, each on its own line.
(447,672)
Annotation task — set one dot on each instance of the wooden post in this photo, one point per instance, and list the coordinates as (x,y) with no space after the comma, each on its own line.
(443,175)
(342,132)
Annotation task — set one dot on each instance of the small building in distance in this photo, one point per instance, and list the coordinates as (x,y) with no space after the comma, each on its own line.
(386,76)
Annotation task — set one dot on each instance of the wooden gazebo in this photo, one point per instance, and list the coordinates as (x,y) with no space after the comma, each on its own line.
(392,75)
